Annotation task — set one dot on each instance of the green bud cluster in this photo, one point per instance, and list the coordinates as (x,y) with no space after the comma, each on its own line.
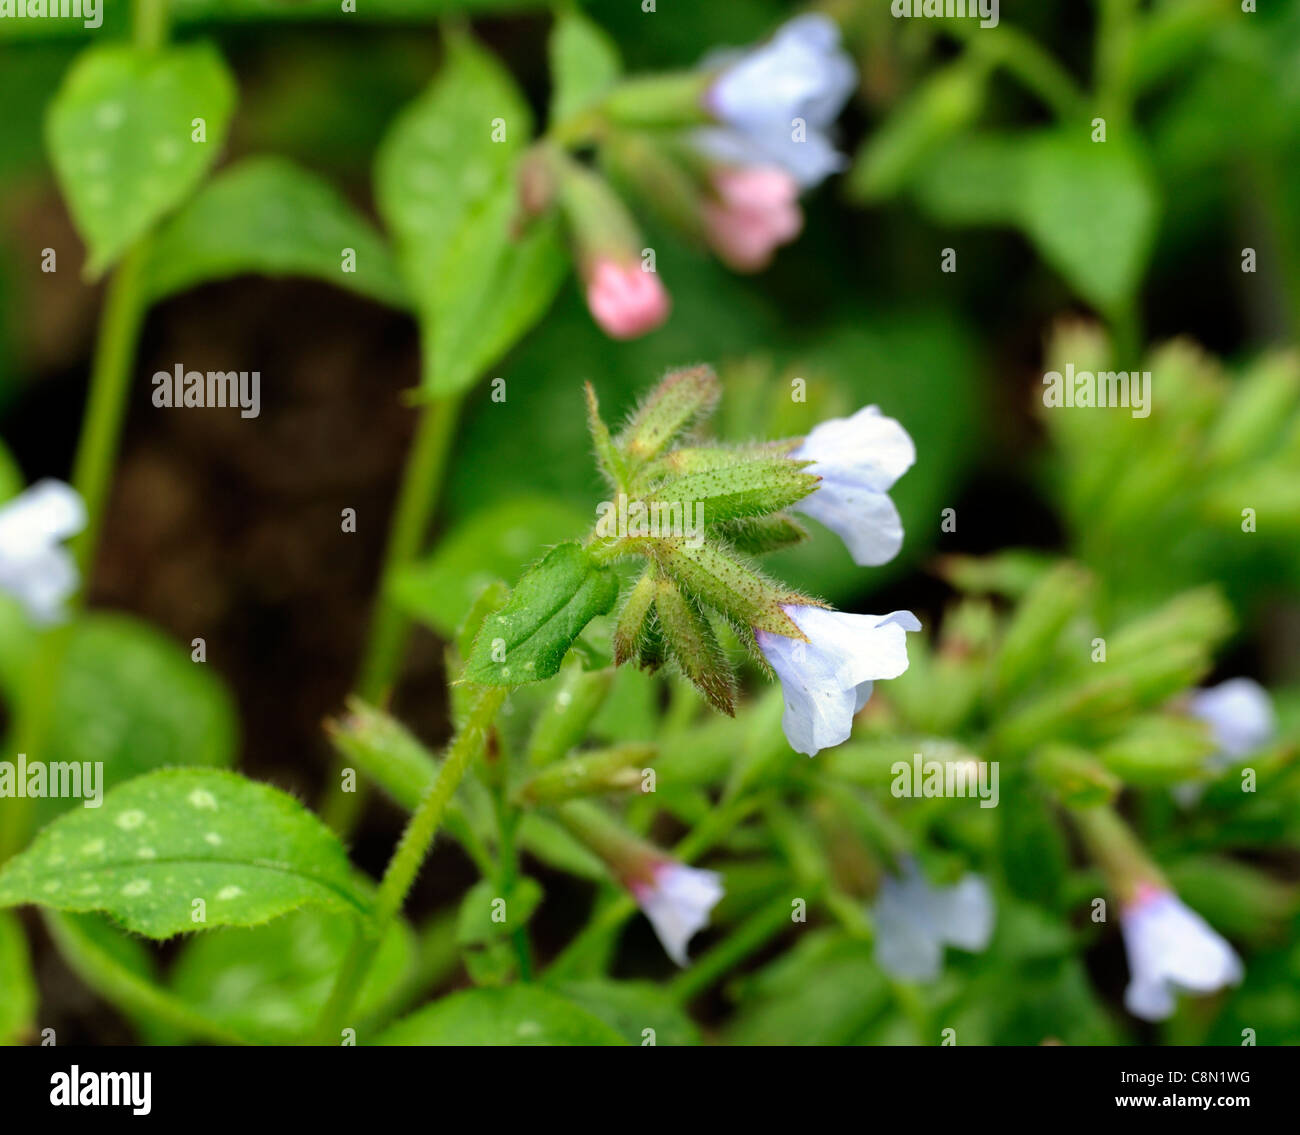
(690,582)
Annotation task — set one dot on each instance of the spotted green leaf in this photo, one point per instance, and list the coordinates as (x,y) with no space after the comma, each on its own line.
(527,639)
(163,841)
(444,184)
(514,1015)
(267,216)
(121,133)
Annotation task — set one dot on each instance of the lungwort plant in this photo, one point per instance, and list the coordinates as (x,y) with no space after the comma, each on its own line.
(1059,812)
(183,849)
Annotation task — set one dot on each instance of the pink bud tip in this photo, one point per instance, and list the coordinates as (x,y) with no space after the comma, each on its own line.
(756,210)
(624,299)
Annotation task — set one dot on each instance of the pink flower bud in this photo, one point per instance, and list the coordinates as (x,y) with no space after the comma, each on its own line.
(756,211)
(624,299)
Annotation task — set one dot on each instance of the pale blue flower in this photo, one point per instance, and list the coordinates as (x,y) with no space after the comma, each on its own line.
(858,460)
(776,102)
(914,922)
(677,900)
(34,566)
(1171,948)
(826,680)
(1240,715)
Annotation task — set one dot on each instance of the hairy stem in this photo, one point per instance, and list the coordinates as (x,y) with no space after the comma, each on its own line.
(405,864)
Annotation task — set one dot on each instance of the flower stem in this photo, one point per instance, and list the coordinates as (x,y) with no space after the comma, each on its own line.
(405,864)
(1117,29)
(150,23)
(110,382)
(417,500)
(749,936)
(1024,58)
(1116,850)
(508,874)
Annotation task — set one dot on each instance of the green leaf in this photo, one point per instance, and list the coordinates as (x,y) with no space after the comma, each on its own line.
(267,216)
(631,1008)
(974,180)
(130,697)
(483,920)
(17,983)
(757,535)
(444,183)
(161,841)
(595,772)
(824,991)
(503,285)
(515,1015)
(270,983)
(584,63)
(497,542)
(1238,899)
(1091,209)
(528,638)
(121,969)
(1030,638)
(120,136)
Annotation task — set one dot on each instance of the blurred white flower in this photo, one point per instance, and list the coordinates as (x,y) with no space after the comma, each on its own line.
(1171,948)
(776,102)
(858,460)
(915,921)
(1240,715)
(34,566)
(826,680)
(677,901)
